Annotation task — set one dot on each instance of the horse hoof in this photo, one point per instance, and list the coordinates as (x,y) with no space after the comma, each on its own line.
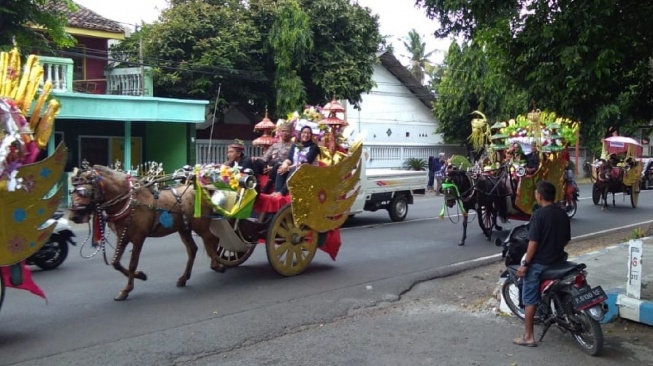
(461,243)
(141,276)
(181,282)
(219,268)
(122,295)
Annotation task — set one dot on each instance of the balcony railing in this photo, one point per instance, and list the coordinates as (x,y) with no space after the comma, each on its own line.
(125,81)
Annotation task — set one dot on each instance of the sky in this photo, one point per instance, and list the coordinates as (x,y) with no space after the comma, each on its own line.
(396,19)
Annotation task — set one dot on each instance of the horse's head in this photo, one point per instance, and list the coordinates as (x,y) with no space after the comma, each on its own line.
(84,195)
(92,187)
(455,182)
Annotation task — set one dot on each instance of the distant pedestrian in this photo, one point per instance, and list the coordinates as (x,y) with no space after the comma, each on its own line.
(439,165)
(429,185)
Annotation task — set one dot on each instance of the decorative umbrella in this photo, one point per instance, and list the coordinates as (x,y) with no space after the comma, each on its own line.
(266,140)
(621,144)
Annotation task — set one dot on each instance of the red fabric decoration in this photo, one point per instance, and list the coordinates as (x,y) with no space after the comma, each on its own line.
(332,243)
(28,283)
(270,204)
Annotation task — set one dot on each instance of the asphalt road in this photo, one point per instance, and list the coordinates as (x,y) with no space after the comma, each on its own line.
(162,325)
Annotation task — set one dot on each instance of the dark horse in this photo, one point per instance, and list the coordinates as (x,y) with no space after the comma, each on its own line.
(608,179)
(135,211)
(481,193)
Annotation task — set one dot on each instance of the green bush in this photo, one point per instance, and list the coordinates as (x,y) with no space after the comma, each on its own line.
(460,162)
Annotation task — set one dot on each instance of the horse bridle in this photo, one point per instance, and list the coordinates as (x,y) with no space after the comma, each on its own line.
(96,194)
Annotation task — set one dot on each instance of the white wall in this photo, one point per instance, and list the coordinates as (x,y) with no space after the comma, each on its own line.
(391,107)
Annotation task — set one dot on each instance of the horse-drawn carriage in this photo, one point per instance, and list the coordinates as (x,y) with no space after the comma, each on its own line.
(222,206)
(619,170)
(519,153)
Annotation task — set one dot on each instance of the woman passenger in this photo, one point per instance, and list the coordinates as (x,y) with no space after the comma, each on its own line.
(303,152)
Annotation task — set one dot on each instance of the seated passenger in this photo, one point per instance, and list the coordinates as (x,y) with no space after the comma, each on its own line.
(532,160)
(276,154)
(303,152)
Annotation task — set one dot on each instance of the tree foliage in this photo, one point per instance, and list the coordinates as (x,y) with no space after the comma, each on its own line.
(419,58)
(276,53)
(32,23)
(589,60)
(468,83)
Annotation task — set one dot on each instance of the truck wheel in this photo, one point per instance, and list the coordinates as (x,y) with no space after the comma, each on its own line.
(398,208)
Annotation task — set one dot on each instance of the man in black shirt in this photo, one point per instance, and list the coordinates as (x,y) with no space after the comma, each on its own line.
(532,159)
(549,233)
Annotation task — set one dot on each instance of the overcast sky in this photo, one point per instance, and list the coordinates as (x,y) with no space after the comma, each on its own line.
(396,18)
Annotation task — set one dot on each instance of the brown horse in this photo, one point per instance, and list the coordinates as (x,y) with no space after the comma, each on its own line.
(134,211)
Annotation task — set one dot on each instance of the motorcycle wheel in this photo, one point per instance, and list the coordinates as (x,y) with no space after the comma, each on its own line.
(569,209)
(58,245)
(590,339)
(510,293)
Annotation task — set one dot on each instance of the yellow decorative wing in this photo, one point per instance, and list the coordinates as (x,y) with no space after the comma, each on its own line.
(323,196)
(24,210)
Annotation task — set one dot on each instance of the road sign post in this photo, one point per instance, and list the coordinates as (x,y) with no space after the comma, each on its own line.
(635,270)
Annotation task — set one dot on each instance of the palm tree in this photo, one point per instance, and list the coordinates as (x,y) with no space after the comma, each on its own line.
(419,62)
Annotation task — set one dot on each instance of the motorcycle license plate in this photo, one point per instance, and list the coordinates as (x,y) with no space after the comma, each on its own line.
(589,297)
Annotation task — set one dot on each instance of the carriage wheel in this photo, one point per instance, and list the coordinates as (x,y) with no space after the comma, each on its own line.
(634,194)
(289,248)
(233,259)
(596,194)
(485,220)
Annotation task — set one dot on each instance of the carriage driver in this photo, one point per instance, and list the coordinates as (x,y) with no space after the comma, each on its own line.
(236,156)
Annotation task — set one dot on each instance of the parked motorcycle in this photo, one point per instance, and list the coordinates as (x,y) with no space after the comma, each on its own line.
(569,203)
(53,253)
(567,300)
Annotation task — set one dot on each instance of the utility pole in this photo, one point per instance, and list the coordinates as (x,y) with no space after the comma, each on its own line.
(142,62)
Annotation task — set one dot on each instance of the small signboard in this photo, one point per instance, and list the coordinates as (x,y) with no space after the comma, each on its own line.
(634,282)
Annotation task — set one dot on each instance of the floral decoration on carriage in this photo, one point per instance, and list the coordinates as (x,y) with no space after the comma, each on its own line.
(26,186)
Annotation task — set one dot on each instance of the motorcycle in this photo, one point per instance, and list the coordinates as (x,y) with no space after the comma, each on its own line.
(53,253)
(567,300)
(570,201)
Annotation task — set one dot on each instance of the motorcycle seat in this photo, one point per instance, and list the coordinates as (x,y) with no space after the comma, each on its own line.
(561,270)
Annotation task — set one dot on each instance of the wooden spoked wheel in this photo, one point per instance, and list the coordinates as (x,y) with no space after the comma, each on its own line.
(290,249)
(233,259)
(596,194)
(485,220)
(634,194)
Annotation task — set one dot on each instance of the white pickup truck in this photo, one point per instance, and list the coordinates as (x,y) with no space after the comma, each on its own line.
(387,189)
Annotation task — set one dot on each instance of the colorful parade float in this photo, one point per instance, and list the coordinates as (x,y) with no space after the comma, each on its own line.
(518,154)
(223,205)
(619,170)
(28,192)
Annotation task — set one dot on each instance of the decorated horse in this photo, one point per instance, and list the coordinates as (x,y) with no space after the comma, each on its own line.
(135,210)
(468,191)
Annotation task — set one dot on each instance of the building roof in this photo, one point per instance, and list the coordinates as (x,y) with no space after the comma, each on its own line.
(84,18)
(390,62)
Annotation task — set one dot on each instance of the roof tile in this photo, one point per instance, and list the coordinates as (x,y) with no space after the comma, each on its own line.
(85,18)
